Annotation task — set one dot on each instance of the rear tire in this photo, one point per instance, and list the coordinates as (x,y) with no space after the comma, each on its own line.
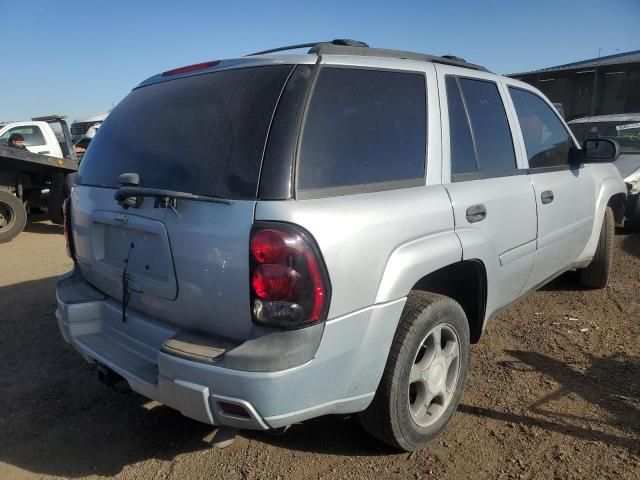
(13,216)
(596,275)
(422,381)
(56,199)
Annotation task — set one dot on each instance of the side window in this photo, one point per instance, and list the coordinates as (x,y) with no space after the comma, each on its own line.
(32,135)
(363,127)
(545,138)
(463,157)
(479,130)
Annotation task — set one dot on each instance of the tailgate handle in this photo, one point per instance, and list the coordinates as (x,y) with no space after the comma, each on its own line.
(546,197)
(476,213)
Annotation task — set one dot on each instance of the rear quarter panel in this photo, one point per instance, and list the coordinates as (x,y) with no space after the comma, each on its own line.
(376,246)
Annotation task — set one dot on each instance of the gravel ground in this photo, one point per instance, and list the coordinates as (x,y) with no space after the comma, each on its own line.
(554,392)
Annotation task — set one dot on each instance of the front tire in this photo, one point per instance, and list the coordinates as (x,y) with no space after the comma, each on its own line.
(596,275)
(425,373)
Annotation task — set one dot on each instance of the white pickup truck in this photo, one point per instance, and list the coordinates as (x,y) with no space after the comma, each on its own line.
(41,135)
(33,171)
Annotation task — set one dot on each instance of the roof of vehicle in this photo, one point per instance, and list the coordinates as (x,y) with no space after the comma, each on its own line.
(316,49)
(24,123)
(359,48)
(620,117)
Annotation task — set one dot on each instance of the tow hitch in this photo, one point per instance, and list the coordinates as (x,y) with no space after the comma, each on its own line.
(112,380)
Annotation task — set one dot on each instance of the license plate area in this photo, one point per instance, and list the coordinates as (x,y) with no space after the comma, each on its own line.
(150,263)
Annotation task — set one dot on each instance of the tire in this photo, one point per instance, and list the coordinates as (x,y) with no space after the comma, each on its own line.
(13,216)
(56,199)
(394,414)
(596,275)
(632,212)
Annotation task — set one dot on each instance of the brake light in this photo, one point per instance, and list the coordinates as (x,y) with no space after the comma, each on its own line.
(66,211)
(191,68)
(289,284)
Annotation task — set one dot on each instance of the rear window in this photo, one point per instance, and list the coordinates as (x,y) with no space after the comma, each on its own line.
(203,134)
(365,131)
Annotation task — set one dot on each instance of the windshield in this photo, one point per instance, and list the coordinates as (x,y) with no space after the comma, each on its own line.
(627,134)
(203,134)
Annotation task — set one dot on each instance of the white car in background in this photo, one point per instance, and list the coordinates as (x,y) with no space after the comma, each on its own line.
(624,129)
(81,126)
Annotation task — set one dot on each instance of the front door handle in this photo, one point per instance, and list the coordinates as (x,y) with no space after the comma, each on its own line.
(546,197)
(476,213)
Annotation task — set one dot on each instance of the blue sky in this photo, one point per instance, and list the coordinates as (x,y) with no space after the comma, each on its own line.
(82,57)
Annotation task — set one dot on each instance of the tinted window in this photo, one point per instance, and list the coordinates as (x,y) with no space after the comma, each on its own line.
(32,135)
(203,134)
(480,135)
(545,138)
(491,133)
(463,157)
(363,127)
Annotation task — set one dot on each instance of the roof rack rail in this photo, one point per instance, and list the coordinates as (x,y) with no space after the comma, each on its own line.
(342,46)
(332,49)
(337,41)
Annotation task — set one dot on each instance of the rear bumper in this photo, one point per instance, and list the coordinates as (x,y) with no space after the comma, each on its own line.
(341,378)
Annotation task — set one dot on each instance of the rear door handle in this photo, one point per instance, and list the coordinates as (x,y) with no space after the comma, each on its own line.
(476,213)
(546,196)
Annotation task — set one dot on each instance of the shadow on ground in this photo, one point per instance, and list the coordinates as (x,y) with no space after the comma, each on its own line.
(609,383)
(39,223)
(631,244)
(57,419)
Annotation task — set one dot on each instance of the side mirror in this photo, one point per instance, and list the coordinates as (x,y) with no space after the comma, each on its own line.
(596,150)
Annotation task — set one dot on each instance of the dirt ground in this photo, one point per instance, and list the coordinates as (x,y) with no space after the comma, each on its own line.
(548,396)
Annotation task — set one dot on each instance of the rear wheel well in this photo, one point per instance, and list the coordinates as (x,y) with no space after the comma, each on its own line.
(617,202)
(466,283)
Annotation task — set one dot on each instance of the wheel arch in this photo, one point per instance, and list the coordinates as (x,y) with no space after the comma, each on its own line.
(617,203)
(466,283)
(612,194)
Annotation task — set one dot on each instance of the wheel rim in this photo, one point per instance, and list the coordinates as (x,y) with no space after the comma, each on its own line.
(7,218)
(434,375)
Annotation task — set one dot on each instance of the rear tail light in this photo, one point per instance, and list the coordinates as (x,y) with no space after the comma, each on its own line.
(66,210)
(289,282)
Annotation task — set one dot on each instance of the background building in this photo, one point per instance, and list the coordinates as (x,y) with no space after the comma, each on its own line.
(598,86)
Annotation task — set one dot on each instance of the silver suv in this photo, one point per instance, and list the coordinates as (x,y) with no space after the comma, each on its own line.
(295,235)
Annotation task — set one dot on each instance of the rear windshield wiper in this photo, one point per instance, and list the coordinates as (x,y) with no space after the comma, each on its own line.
(124,193)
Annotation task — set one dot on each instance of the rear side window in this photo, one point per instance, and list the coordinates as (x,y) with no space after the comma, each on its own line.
(545,138)
(480,134)
(463,157)
(32,135)
(203,134)
(365,131)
